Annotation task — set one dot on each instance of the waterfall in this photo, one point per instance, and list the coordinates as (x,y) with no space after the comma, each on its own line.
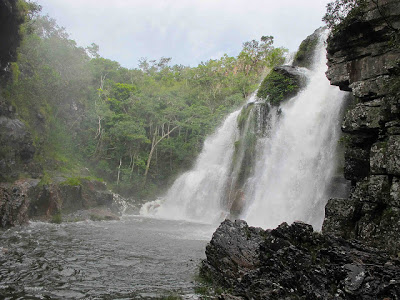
(284,177)
(197,195)
(296,160)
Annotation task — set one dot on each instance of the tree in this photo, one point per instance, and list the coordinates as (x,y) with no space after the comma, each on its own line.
(340,10)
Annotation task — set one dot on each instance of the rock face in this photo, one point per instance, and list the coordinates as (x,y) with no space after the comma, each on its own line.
(17,150)
(364,58)
(10,19)
(60,196)
(293,262)
(15,201)
(29,199)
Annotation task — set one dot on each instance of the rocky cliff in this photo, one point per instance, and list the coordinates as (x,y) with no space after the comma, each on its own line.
(364,58)
(11,17)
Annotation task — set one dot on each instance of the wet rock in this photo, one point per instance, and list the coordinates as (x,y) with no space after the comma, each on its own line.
(378,188)
(234,251)
(282,83)
(339,187)
(305,53)
(293,262)
(395,192)
(339,217)
(365,117)
(67,197)
(363,59)
(10,19)
(14,201)
(94,193)
(357,163)
(17,149)
(393,151)
(378,158)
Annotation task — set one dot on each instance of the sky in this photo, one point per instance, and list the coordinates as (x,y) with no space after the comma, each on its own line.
(188,31)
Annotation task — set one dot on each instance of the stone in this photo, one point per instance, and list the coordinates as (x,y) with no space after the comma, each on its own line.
(356,163)
(378,188)
(363,59)
(15,201)
(393,155)
(395,192)
(364,117)
(378,158)
(235,246)
(17,150)
(305,54)
(339,217)
(370,88)
(293,262)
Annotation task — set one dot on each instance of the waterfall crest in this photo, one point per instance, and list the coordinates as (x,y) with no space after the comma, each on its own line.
(265,164)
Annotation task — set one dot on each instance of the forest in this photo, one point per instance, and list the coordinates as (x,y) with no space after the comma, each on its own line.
(136,129)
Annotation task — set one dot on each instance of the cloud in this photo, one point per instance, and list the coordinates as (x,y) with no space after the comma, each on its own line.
(189,31)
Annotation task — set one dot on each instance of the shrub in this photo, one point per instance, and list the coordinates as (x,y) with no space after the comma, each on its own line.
(277,87)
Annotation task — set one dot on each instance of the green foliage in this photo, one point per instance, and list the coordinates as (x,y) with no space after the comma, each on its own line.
(244,115)
(72,181)
(340,12)
(56,218)
(276,87)
(303,57)
(136,128)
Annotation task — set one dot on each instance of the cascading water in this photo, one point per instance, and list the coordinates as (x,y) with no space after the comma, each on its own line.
(197,194)
(292,166)
(296,161)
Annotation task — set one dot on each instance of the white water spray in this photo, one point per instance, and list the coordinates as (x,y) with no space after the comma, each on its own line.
(297,161)
(197,195)
(294,165)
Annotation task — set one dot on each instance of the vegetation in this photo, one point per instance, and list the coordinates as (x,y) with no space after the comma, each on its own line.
(56,218)
(304,55)
(340,12)
(135,128)
(276,87)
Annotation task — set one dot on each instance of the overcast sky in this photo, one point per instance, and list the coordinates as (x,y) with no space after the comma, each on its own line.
(189,31)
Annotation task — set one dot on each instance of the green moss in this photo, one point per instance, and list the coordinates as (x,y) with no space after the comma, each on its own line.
(45,180)
(56,219)
(277,87)
(244,115)
(72,181)
(304,55)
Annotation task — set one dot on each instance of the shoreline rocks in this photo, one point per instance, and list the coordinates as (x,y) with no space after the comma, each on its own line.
(294,262)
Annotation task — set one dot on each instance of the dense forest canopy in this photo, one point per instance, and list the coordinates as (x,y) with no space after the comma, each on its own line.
(134,128)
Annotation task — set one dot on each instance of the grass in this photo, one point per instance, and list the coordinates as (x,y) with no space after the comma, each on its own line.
(56,218)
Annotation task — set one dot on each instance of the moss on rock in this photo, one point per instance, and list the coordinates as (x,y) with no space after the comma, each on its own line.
(278,85)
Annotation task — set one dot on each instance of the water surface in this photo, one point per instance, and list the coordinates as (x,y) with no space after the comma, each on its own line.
(135,258)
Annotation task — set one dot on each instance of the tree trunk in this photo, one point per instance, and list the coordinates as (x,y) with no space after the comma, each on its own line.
(154,144)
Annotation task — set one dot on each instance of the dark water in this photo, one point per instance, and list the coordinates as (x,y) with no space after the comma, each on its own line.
(135,258)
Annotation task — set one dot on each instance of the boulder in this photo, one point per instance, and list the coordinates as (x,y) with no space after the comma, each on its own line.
(15,201)
(305,54)
(282,83)
(293,262)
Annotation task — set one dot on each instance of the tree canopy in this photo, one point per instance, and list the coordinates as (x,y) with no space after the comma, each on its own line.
(135,128)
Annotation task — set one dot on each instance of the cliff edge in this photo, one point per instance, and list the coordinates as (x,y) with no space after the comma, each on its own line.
(364,58)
